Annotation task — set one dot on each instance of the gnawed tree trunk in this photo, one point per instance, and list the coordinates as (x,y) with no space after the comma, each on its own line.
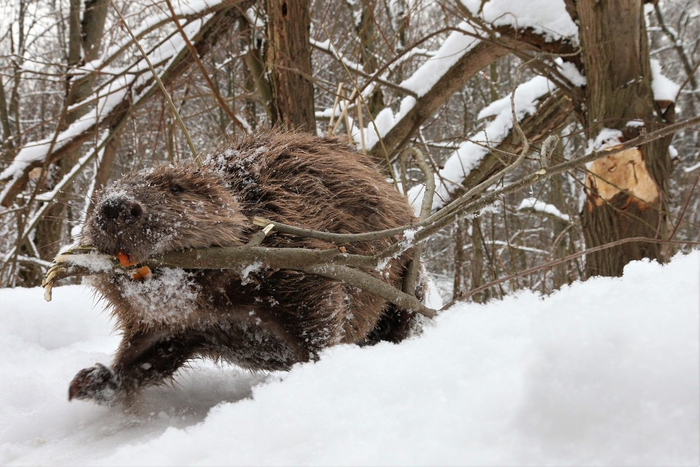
(626,192)
(289,62)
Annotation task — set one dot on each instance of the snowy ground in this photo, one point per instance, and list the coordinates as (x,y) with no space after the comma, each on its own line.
(601,373)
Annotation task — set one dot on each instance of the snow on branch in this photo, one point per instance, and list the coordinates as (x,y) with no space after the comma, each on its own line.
(461,55)
(452,49)
(423,80)
(187,11)
(36,151)
(663,87)
(327,47)
(471,152)
(535,205)
(545,17)
(551,21)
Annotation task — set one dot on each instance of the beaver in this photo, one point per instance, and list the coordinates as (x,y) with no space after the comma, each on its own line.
(256,318)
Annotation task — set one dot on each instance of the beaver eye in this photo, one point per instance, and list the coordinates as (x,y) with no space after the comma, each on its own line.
(176,189)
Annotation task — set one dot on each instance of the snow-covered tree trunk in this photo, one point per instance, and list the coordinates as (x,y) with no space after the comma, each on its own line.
(626,192)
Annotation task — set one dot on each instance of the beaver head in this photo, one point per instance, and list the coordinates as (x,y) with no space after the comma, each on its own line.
(169,208)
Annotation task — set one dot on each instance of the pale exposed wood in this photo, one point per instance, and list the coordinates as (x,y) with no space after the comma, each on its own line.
(622,172)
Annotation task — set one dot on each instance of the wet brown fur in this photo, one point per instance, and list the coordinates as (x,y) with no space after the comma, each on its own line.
(262,320)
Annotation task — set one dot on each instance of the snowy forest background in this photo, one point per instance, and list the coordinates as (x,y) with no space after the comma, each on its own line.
(601,170)
(79,107)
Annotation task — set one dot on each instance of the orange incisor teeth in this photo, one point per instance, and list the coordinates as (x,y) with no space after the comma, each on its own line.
(125,260)
(141,273)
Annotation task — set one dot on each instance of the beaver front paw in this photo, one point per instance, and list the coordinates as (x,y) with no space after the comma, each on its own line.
(97,383)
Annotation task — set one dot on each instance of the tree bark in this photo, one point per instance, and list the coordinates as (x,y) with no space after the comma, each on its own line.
(289,63)
(9,153)
(626,192)
(367,33)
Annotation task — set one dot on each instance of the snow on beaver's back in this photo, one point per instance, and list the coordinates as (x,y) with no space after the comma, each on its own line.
(255,318)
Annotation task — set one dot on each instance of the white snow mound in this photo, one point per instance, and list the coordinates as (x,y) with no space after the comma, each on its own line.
(604,372)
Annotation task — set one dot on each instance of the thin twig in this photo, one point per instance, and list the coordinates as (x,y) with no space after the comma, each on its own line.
(358,107)
(335,106)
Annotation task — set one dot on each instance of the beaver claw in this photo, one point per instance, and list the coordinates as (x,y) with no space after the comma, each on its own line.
(97,383)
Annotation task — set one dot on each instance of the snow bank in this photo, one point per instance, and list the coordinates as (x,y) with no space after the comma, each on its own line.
(601,373)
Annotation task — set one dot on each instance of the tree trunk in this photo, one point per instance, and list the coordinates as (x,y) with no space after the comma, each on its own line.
(626,192)
(460,261)
(477,262)
(289,62)
(367,33)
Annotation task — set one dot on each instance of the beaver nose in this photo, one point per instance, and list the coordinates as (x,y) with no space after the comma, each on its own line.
(121,207)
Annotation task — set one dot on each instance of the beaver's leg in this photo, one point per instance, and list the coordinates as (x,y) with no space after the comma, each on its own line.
(396,324)
(142,359)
